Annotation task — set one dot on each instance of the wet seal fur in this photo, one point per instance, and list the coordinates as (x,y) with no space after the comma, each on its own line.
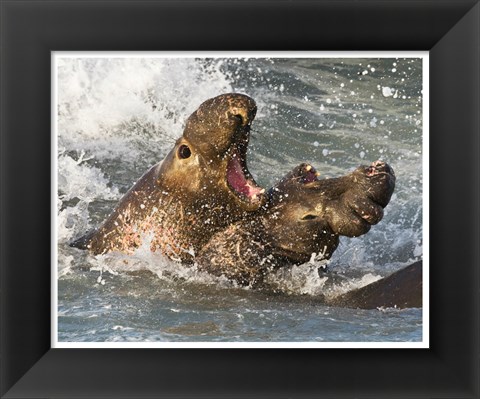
(202,186)
(302,221)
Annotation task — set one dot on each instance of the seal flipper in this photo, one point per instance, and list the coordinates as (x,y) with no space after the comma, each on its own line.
(84,241)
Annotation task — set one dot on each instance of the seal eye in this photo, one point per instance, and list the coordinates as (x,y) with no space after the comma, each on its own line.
(308,216)
(184,151)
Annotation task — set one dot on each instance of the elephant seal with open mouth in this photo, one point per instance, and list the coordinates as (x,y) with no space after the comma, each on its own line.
(303,219)
(202,186)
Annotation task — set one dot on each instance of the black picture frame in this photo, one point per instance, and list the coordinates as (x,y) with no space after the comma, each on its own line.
(30,30)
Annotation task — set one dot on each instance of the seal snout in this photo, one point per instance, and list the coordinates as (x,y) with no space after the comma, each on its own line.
(379,167)
(237,106)
(243,116)
(241,109)
(308,173)
(380,183)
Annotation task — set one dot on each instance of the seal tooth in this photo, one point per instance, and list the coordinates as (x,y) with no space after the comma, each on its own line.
(262,191)
(308,168)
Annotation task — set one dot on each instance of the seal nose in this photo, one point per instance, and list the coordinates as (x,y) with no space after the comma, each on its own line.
(239,105)
(230,105)
(242,107)
(242,116)
(380,167)
(221,120)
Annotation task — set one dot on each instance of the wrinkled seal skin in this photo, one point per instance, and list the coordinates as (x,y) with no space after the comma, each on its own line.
(201,187)
(304,218)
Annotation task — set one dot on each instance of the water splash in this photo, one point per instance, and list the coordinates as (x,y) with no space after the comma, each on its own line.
(107,105)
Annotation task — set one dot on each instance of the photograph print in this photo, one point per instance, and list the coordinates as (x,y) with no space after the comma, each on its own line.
(240,200)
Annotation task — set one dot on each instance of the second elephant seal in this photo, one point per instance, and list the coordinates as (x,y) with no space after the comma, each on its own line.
(304,218)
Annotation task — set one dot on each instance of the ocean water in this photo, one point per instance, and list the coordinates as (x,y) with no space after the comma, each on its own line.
(118,116)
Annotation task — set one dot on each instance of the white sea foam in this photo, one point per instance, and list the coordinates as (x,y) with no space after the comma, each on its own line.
(102,100)
(82,181)
(298,279)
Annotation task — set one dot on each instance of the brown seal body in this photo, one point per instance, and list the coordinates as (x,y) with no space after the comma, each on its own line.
(202,186)
(402,289)
(303,219)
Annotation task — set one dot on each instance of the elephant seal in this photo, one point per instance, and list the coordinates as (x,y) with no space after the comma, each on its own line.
(402,289)
(303,219)
(202,186)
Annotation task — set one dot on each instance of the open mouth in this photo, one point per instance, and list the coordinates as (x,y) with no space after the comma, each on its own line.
(308,174)
(240,180)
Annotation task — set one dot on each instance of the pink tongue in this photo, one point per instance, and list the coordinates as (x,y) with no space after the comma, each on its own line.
(237,179)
